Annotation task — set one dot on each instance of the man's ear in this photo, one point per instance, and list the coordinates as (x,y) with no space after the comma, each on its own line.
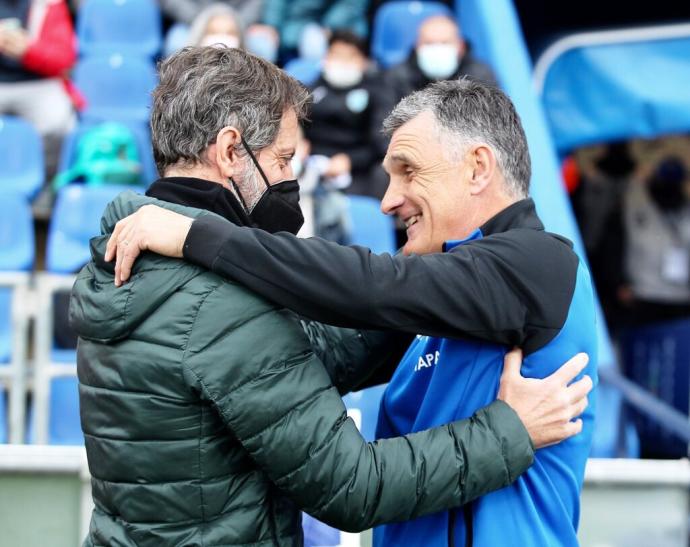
(225,153)
(483,161)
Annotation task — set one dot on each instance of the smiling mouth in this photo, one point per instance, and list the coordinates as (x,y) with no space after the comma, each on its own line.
(411,221)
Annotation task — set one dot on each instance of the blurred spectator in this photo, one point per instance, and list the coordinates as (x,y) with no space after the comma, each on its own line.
(656,245)
(185,11)
(605,172)
(262,40)
(216,24)
(440,54)
(341,115)
(291,17)
(37,48)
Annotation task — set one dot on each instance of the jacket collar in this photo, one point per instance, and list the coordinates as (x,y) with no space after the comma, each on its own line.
(521,214)
(200,194)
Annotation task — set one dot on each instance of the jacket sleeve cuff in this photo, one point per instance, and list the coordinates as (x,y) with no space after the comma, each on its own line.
(516,444)
(205,239)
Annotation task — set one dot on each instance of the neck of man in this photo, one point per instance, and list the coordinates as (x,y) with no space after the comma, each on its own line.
(199,171)
(492,203)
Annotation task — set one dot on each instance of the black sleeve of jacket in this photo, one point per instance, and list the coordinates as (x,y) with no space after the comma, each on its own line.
(512,289)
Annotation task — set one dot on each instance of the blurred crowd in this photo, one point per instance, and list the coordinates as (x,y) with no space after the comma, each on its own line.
(324,43)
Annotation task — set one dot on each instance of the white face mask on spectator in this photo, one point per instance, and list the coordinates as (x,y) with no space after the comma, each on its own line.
(342,75)
(223,39)
(438,61)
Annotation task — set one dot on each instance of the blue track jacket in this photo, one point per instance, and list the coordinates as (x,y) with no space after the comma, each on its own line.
(440,380)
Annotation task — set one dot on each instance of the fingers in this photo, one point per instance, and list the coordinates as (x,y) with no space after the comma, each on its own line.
(111,247)
(578,390)
(131,252)
(125,240)
(512,363)
(568,372)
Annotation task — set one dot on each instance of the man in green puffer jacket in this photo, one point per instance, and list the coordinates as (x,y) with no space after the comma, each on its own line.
(211,416)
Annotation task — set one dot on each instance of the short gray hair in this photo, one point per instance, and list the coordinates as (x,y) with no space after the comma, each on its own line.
(470,112)
(203,89)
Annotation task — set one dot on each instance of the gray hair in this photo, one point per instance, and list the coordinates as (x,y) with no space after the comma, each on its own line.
(471,112)
(201,21)
(203,89)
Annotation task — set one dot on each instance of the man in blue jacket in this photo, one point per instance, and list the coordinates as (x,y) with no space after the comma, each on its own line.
(477,276)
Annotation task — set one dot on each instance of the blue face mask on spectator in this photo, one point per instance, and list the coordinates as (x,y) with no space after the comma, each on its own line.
(262,45)
(438,61)
(313,42)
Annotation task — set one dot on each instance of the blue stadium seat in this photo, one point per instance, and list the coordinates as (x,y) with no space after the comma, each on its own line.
(76,219)
(17,244)
(16,233)
(3,417)
(64,427)
(21,156)
(370,227)
(123,26)
(117,87)
(141,132)
(306,71)
(395,29)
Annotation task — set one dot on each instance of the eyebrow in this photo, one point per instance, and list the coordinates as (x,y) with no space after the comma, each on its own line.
(401,157)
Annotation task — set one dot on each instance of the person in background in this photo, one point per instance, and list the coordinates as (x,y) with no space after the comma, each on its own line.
(291,17)
(37,49)
(216,24)
(440,53)
(263,41)
(605,173)
(656,245)
(341,115)
(185,11)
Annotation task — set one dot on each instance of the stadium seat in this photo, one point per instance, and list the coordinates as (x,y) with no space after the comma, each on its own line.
(76,219)
(395,29)
(21,155)
(17,244)
(123,26)
(64,427)
(370,227)
(141,132)
(117,87)
(306,71)
(3,417)
(365,405)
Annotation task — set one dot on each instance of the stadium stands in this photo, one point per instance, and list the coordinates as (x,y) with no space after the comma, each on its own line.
(370,227)
(21,154)
(69,149)
(124,26)
(306,71)
(395,29)
(16,259)
(76,219)
(117,87)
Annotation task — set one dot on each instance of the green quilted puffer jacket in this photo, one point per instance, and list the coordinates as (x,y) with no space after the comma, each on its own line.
(211,416)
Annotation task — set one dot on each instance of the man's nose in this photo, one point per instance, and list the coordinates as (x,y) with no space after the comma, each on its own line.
(392,200)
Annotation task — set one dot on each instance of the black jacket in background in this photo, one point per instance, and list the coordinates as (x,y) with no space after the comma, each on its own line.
(341,123)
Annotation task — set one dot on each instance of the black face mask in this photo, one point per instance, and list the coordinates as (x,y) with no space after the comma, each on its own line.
(278,208)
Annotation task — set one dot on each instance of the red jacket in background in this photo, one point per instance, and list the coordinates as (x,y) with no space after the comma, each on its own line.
(53,48)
